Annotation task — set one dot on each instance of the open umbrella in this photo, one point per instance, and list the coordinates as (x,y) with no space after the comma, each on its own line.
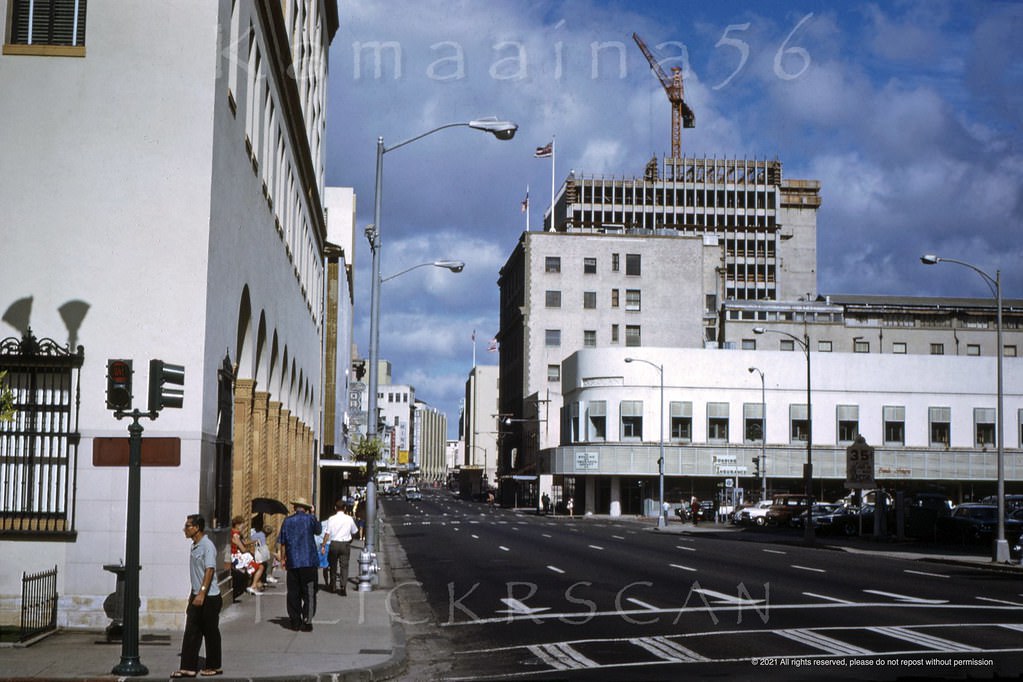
(268,505)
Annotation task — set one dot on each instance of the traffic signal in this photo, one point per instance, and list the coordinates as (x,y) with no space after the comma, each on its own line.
(160,396)
(119,384)
(756,467)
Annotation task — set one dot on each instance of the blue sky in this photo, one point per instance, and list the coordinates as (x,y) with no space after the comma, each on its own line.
(909,114)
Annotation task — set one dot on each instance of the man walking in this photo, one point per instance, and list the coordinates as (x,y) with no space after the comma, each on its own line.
(338,532)
(297,540)
(202,616)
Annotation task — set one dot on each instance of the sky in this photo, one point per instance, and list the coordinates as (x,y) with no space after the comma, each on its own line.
(908,113)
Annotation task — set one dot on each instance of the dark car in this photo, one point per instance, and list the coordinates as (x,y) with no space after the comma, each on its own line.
(786,507)
(974,522)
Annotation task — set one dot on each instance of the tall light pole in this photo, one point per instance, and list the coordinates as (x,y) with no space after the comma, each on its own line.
(763,432)
(452,265)
(804,343)
(502,130)
(662,519)
(1000,550)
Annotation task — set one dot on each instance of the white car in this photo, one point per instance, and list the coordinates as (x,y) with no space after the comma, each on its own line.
(756,514)
(412,493)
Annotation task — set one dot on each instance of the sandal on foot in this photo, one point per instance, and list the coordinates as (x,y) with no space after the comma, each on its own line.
(182,673)
(211,672)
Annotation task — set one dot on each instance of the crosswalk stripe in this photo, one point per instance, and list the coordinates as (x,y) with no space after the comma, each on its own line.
(664,648)
(561,656)
(824,643)
(925,640)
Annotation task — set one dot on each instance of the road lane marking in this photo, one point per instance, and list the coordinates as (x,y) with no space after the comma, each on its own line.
(773,551)
(520,609)
(618,537)
(827,598)
(722,598)
(667,650)
(688,549)
(907,598)
(503,548)
(1000,601)
(922,639)
(824,643)
(555,569)
(561,656)
(807,568)
(684,568)
(931,575)
(596,547)
(642,604)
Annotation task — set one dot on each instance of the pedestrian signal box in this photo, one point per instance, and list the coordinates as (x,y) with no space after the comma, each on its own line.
(119,373)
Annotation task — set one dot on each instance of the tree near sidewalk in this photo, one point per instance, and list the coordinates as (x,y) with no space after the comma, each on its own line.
(6,400)
(367,449)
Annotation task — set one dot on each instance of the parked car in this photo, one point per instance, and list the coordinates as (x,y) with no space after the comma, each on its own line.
(975,522)
(824,514)
(1012,502)
(413,493)
(785,508)
(755,513)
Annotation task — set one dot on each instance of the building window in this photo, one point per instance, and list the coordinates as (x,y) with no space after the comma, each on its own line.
(899,347)
(682,421)
(632,419)
(710,303)
(940,421)
(614,333)
(1010,351)
(984,426)
(589,299)
(753,422)
(589,266)
(589,338)
(894,425)
(632,264)
(632,335)
(717,422)
(614,262)
(1021,427)
(823,346)
(552,299)
(632,299)
(48,22)
(848,423)
(39,446)
(711,334)
(973,349)
(552,338)
(552,264)
(749,344)
(861,346)
(597,419)
(799,425)
(787,344)
(937,349)
(554,373)
(614,298)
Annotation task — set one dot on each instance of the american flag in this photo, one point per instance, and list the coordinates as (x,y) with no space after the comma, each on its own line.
(525,202)
(545,151)
(493,346)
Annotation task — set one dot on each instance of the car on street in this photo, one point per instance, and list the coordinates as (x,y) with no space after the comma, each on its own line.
(786,507)
(755,513)
(826,516)
(413,493)
(973,522)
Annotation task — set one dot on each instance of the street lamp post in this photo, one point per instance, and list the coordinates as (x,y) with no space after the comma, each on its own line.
(1000,549)
(662,518)
(502,130)
(804,343)
(763,433)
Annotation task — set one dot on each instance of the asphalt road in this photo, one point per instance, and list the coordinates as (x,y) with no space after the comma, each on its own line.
(520,596)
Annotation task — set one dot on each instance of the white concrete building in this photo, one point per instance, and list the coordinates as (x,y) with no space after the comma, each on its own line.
(923,431)
(162,185)
(480,423)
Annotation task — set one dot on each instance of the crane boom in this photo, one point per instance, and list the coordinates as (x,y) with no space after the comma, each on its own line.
(681,113)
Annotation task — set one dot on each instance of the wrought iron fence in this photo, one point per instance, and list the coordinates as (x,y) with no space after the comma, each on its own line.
(38,604)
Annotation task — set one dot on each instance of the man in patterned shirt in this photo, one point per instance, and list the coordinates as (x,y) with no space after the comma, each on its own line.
(300,559)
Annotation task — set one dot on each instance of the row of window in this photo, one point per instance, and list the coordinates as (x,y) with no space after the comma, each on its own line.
(633,337)
(633,299)
(860,345)
(633,264)
(680,417)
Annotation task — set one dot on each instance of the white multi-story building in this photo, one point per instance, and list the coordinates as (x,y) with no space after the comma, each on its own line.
(162,187)
(481,421)
(429,443)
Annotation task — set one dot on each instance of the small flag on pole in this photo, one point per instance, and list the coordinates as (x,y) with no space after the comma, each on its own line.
(525,202)
(544,152)
(493,346)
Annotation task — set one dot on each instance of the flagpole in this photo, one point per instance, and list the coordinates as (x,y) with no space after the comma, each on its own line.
(474,349)
(553,155)
(527,207)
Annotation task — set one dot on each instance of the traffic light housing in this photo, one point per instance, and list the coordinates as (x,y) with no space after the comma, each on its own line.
(756,467)
(160,395)
(119,374)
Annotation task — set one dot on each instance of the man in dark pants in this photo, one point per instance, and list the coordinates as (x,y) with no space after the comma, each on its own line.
(338,531)
(202,617)
(299,557)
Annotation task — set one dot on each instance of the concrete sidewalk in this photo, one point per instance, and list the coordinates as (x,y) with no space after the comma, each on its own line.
(353,638)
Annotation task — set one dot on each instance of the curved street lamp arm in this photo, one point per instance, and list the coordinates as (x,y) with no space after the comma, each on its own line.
(452,265)
(804,342)
(992,282)
(503,130)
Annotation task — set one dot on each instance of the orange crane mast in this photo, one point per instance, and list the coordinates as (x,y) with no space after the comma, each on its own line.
(681,113)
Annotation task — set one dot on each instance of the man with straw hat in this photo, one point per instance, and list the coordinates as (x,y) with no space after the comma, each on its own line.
(300,559)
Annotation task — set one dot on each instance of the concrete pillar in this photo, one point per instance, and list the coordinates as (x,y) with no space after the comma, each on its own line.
(241,464)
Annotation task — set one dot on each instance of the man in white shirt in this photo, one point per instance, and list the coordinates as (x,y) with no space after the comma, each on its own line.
(338,532)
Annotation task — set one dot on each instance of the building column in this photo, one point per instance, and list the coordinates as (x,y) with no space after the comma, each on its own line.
(241,465)
(273,448)
(283,463)
(260,449)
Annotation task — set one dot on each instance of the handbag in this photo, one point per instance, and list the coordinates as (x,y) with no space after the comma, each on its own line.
(262,553)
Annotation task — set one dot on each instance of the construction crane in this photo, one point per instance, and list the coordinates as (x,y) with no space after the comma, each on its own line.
(681,113)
